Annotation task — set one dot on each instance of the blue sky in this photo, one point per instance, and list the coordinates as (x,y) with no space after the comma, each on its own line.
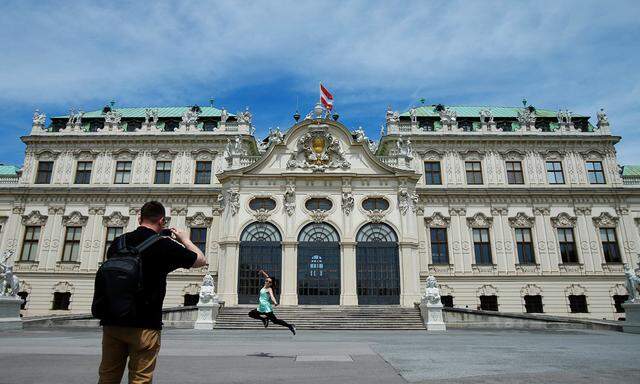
(579,55)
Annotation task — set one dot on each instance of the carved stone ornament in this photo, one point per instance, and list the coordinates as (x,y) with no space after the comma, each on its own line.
(575,289)
(376,215)
(437,220)
(35,218)
(605,220)
(290,199)
(75,219)
(318,215)
(487,290)
(521,220)
(563,220)
(407,200)
(116,219)
(347,203)
(530,290)
(479,220)
(199,220)
(233,201)
(318,151)
(63,287)
(39,119)
(262,214)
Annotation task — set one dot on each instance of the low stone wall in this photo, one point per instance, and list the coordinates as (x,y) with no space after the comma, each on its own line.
(177,317)
(462,318)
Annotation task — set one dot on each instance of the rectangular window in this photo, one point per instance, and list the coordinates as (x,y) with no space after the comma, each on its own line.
(45,170)
(610,245)
(524,244)
(432,174)
(618,300)
(578,304)
(190,300)
(533,303)
(474,172)
(595,172)
(83,172)
(514,172)
(23,296)
(203,172)
(482,246)
(447,301)
(199,238)
(163,172)
(439,249)
(489,303)
(30,243)
(71,249)
(112,233)
(567,245)
(123,172)
(554,172)
(61,301)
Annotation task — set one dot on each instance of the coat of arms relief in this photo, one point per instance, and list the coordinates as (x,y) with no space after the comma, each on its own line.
(318,151)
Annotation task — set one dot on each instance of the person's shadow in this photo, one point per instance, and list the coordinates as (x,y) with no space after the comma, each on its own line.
(270,356)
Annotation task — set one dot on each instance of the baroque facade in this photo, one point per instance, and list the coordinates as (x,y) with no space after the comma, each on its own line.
(512,209)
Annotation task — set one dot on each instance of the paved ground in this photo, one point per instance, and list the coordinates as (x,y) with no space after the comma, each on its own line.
(270,356)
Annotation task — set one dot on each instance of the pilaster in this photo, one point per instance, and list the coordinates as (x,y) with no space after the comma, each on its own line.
(348,278)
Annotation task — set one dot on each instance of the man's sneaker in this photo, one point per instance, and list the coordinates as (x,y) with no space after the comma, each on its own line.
(292,328)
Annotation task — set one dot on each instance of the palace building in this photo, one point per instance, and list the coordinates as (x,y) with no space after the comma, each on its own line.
(512,209)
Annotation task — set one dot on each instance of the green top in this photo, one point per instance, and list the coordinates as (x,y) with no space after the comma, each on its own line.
(631,170)
(474,111)
(8,170)
(162,112)
(265,301)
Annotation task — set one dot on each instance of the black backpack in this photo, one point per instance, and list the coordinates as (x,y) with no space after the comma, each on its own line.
(118,287)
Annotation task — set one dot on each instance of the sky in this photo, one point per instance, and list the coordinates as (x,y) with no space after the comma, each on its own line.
(270,56)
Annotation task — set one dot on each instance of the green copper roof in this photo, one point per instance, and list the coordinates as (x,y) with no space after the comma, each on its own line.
(631,170)
(162,112)
(464,111)
(8,170)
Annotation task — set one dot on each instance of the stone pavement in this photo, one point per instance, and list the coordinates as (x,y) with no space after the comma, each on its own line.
(273,356)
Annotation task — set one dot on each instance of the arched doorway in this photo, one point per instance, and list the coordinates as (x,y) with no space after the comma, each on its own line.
(260,248)
(319,265)
(377,265)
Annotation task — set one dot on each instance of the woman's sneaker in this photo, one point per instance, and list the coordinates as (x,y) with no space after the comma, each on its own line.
(265,322)
(292,328)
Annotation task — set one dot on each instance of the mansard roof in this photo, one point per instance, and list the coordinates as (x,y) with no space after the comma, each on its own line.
(8,170)
(165,112)
(474,111)
(631,170)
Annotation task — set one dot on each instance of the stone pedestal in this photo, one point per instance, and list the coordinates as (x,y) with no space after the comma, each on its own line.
(10,313)
(432,316)
(632,317)
(207,314)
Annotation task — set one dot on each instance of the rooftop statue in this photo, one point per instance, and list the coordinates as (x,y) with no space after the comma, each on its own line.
(9,283)
(39,118)
(486,116)
(360,135)
(112,118)
(448,115)
(526,117)
(392,116)
(275,136)
(224,115)
(190,117)
(244,117)
(564,117)
(413,114)
(150,115)
(602,117)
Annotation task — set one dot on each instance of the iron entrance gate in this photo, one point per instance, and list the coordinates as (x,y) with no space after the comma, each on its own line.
(260,248)
(319,273)
(377,265)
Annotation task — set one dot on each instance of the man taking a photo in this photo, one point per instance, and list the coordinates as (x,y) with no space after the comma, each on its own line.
(130,289)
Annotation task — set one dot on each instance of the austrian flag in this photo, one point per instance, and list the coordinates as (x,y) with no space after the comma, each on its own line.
(326,98)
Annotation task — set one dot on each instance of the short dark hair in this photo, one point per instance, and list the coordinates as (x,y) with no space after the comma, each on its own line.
(152,211)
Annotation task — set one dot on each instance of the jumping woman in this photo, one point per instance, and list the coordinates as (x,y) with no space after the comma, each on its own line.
(264,312)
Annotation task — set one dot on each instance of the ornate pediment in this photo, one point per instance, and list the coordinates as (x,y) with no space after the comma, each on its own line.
(199,220)
(605,220)
(75,219)
(376,215)
(318,150)
(35,218)
(521,220)
(479,220)
(563,220)
(437,220)
(116,219)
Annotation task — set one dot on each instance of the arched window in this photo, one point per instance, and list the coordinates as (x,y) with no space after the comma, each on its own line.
(375,203)
(261,232)
(318,204)
(376,232)
(266,203)
(319,232)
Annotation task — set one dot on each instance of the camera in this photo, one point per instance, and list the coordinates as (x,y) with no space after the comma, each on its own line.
(166,232)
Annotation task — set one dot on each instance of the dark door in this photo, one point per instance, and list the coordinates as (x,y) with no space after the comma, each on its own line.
(319,273)
(256,255)
(378,273)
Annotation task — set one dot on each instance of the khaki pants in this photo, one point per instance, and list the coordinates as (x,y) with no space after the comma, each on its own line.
(140,345)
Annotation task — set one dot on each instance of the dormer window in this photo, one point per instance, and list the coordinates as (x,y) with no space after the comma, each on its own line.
(466,125)
(171,125)
(262,203)
(318,204)
(375,203)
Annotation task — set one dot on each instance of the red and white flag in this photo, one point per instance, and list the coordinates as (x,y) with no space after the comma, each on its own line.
(326,98)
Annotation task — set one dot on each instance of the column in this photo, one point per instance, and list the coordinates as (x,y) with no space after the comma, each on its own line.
(588,240)
(94,238)
(457,230)
(410,275)
(628,237)
(289,293)
(501,258)
(228,273)
(52,239)
(348,274)
(545,240)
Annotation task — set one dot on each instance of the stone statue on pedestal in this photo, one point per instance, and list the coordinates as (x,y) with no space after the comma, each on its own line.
(431,307)
(9,283)
(10,302)
(208,305)
(633,284)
